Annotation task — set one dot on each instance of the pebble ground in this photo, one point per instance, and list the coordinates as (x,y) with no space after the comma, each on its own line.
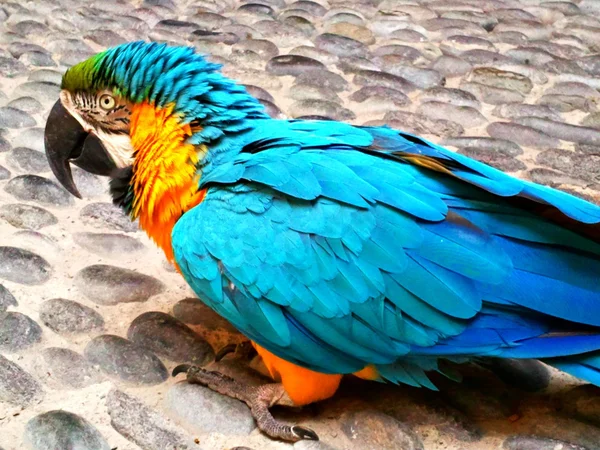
(92,320)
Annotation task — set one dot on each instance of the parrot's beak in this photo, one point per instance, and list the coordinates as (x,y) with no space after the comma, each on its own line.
(66,141)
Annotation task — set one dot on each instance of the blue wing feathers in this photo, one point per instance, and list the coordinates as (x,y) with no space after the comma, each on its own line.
(337,246)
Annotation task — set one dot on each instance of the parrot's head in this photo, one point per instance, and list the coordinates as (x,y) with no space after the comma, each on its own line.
(124,103)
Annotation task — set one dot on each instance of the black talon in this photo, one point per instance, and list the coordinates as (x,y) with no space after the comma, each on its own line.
(230,348)
(305,433)
(181,368)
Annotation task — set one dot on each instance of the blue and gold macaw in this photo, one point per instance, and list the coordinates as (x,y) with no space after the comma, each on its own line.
(337,249)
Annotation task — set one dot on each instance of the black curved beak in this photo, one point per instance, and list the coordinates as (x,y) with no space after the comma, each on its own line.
(66,141)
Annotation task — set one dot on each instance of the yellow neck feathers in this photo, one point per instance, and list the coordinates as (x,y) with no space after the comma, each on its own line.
(165,182)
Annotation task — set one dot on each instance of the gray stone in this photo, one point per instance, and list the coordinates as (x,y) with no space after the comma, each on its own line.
(194,312)
(463,115)
(17,332)
(202,36)
(322,108)
(7,299)
(591,64)
(492,95)
(590,121)
(340,45)
(451,66)
(422,78)
(538,443)
(37,59)
(533,56)
(4,173)
(262,47)
(498,160)
(168,337)
(10,67)
(106,215)
(485,58)
(324,79)
(566,132)
(315,53)
(31,217)
(17,387)
(579,165)
(293,65)
(68,368)
(109,285)
(39,190)
(373,429)
(309,92)
(144,426)
(106,38)
(112,245)
(380,92)
(15,118)
(555,179)
(284,34)
(27,104)
(419,124)
(122,359)
(502,146)
(456,44)
(22,266)
(259,93)
(66,316)
(456,97)
(32,138)
(302,24)
(28,160)
(65,430)
(522,135)
(568,103)
(405,52)
(407,35)
(272,109)
(515,110)
(43,91)
(375,78)
(490,76)
(4,145)
(190,402)
(355,64)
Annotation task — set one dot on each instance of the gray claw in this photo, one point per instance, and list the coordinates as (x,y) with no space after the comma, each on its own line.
(181,368)
(305,433)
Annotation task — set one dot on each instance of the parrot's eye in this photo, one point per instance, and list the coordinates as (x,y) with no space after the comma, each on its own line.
(107,102)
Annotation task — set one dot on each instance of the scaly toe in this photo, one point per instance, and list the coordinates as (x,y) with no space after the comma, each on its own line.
(304,433)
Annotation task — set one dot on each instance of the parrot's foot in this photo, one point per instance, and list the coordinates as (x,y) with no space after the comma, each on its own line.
(258,398)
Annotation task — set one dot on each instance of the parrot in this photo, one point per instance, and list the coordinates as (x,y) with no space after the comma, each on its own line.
(335,249)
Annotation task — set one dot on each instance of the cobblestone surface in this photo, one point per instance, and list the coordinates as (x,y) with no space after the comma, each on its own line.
(92,320)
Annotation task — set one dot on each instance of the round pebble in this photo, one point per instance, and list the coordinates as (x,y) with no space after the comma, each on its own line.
(106,215)
(28,160)
(7,299)
(22,266)
(190,401)
(67,316)
(63,430)
(194,312)
(30,217)
(293,65)
(17,387)
(68,368)
(144,426)
(168,337)
(110,285)
(38,189)
(17,332)
(112,245)
(122,359)
(15,118)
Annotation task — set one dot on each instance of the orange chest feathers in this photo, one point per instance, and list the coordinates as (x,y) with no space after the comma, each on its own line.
(165,180)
